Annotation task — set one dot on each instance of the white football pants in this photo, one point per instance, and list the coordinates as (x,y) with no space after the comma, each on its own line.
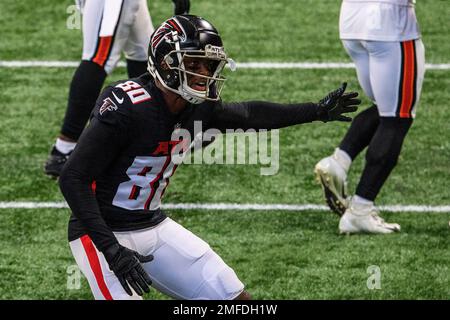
(184,266)
(390,73)
(113,26)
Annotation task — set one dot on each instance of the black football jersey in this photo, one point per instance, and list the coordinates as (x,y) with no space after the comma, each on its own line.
(122,164)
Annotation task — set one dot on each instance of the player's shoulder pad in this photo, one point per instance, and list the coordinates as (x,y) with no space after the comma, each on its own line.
(117,101)
(112,107)
(133,90)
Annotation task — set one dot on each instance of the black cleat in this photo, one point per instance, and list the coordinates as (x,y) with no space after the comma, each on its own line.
(55,162)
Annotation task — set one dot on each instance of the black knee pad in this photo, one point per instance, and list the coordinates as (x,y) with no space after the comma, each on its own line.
(361,131)
(382,155)
(85,87)
(387,142)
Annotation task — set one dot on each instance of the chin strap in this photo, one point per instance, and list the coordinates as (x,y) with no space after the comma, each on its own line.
(191,99)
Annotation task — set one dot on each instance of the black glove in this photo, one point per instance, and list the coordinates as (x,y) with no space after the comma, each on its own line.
(181,6)
(336,103)
(126,265)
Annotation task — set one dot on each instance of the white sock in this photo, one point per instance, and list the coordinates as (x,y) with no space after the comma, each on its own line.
(361,201)
(342,158)
(64,146)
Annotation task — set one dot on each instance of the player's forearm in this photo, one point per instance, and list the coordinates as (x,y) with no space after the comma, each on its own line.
(90,158)
(265,115)
(80,197)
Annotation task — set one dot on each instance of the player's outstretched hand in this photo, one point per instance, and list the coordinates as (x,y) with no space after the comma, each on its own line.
(336,103)
(127,266)
(181,6)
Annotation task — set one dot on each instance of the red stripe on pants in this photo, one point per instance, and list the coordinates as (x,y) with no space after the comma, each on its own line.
(96,268)
(103,50)
(408,80)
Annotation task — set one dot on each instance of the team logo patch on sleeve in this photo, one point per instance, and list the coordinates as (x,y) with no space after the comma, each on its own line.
(108,105)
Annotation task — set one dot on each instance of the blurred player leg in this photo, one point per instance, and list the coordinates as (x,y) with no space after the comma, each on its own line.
(397,71)
(106,26)
(397,100)
(332,171)
(365,123)
(136,45)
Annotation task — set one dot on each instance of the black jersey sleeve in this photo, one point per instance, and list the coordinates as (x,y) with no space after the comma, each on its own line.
(262,115)
(97,147)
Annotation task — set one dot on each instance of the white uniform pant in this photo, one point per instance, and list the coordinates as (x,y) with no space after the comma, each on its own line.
(113,26)
(184,266)
(390,73)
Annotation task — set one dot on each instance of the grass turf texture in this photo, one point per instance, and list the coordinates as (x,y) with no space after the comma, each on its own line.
(282,30)
(279,255)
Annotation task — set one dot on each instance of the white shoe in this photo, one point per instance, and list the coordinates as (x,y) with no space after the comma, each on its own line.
(333,178)
(361,218)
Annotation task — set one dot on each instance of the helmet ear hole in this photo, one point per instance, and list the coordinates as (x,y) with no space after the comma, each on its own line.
(171,79)
(172,60)
(169,76)
(164,65)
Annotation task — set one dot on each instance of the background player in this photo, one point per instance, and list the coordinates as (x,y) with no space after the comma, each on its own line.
(382,37)
(118,227)
(110,27)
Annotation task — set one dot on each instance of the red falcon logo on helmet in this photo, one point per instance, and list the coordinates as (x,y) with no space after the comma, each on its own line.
(165,32)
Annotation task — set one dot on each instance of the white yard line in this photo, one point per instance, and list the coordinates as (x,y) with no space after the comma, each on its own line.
(226,206)
(234,206)
(242,65)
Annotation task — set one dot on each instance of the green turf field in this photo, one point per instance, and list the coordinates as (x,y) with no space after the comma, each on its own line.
(277,254)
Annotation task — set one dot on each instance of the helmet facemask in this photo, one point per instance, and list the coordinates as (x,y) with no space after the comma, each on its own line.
(197,87)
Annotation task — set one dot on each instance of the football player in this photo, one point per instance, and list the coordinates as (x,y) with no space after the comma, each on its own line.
(110,27)
(382,37)
(120,169)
